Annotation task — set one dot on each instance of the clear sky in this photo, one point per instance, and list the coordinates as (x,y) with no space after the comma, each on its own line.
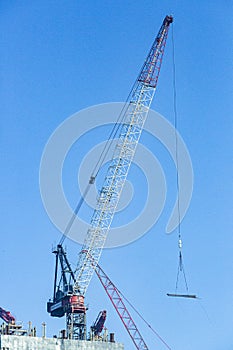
(58,57)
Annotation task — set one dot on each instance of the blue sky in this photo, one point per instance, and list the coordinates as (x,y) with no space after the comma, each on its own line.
(58,57)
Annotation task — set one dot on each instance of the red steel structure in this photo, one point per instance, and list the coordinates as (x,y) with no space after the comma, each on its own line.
(98,326)
(121,309)
(6,316)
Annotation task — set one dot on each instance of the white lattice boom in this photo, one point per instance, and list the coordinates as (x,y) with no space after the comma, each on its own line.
(134,118)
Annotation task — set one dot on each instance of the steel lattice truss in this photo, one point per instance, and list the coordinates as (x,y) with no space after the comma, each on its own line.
(135,115)
(121,309)
(76,326)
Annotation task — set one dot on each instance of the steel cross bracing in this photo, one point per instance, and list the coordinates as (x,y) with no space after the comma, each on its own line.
(114,182)
(107,201)
(121,309)
(76,325)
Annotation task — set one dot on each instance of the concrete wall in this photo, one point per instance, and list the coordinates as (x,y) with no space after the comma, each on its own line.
(14,342)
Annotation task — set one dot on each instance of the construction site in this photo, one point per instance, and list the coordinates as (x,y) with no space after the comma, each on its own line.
(116,179)
(68,299)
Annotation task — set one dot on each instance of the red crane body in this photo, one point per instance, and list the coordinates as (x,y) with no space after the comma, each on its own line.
(99,323)
(6,316)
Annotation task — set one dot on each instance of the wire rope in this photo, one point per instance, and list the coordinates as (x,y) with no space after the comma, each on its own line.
(181,265)
(100,161)
(175,124)
(103,154)
(139,314)
(143,319)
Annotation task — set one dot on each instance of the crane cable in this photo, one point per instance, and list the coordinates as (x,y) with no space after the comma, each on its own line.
(112,135)
(71,221)
(102,158)
(139,314)
(93,176)
(181,264)
(143,319)
(99,163)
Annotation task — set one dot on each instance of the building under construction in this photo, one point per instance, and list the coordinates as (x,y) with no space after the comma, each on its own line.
(14,337)
(14,342)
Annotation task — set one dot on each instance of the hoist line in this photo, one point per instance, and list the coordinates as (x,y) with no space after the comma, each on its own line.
(91,181)
(181,265)
(175,125)
(112,135)
(181,269)
(139,314)
(92,177)
(143,319)
(100,162)
(103,154)
(117,125)
(71,221)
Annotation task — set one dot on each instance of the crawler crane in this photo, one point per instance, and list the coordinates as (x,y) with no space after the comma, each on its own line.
(69,291)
